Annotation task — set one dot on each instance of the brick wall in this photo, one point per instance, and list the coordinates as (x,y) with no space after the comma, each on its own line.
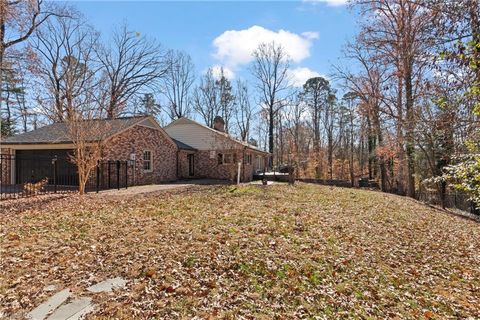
(208,167)
(138,139)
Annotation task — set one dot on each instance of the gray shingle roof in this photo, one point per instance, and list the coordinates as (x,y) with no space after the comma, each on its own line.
(58,132)
(183,146)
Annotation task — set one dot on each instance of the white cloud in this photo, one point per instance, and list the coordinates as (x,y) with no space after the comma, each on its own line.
(235,47)
(227,72)
(299,76)
(333,3)
(312,35)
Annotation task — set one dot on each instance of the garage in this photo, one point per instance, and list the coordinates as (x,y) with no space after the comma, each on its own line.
(35,165)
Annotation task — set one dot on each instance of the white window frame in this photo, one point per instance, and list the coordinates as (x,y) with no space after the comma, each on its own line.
(226,156)
(150,161)
(248,159)
(232,156)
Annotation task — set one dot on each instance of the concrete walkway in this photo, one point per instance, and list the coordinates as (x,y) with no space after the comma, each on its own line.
(64,306)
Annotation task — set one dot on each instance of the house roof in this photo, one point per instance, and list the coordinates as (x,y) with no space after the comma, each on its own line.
(183,146)
(223,134)
(57,133)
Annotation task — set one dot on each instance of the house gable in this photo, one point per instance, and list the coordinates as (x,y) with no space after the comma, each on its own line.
(150,123)
(195,135)
(202,137)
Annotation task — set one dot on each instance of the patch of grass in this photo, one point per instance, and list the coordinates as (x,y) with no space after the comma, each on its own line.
(242,190)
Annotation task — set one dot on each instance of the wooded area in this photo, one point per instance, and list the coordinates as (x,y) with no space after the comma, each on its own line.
(405,112)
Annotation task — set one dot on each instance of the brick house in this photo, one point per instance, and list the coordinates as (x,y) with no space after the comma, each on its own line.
(184,149)
(151,153)
(214,154)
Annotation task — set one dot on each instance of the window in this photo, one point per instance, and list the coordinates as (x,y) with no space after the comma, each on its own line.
(147,160)
(248,159)
(228,158)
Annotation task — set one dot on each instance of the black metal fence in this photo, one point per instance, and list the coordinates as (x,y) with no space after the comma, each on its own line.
(22,176)
(453,199)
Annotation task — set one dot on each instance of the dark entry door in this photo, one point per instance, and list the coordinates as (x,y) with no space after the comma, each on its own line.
(191,165)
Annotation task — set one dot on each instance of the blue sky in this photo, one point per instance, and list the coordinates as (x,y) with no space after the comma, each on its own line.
(223,33)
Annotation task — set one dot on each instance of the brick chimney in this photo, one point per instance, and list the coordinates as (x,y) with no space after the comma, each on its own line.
(219,124)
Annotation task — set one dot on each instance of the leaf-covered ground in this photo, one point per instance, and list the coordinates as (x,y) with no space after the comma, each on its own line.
(250,252)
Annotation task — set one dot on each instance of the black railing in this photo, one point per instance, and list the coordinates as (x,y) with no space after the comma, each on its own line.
(22,176)
(453,199)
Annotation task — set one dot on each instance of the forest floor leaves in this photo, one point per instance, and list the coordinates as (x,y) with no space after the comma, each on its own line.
(247,252)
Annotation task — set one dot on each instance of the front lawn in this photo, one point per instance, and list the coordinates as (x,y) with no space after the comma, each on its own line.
(250,252)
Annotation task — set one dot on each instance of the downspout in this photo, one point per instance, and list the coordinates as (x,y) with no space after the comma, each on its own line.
(243,163)
(178,163)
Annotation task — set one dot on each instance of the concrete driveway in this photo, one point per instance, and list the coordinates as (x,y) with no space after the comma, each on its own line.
(136,190)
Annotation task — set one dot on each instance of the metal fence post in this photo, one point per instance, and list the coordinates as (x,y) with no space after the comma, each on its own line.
(126,174)
(118,174)
(109,175)
(98,176)
(55,174)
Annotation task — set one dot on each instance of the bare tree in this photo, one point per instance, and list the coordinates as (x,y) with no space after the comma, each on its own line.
(329,121)
(367,85)
(399,33)
(206,100)
(226,98)
(295,125)
(132,64)
(88,135)
(65,66)
(316,94)
(71,87)
(177,83)
(350,99)
(270,67)
(18,21)
(243,110)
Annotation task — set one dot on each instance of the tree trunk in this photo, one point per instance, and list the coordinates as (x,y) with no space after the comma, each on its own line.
(400,141)
(371,148)
(410,135)
(330,158)
(280,139)
(383,170)
(2,52)
(316,144)
(82,183)
(352,175)
(379,136)
(270,134)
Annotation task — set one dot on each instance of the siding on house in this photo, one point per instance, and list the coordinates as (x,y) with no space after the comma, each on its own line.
(196,136)
(210,144)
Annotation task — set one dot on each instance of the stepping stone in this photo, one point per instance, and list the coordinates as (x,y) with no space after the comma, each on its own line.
(40,312)
(51,287)
(108,285)
(74,310)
